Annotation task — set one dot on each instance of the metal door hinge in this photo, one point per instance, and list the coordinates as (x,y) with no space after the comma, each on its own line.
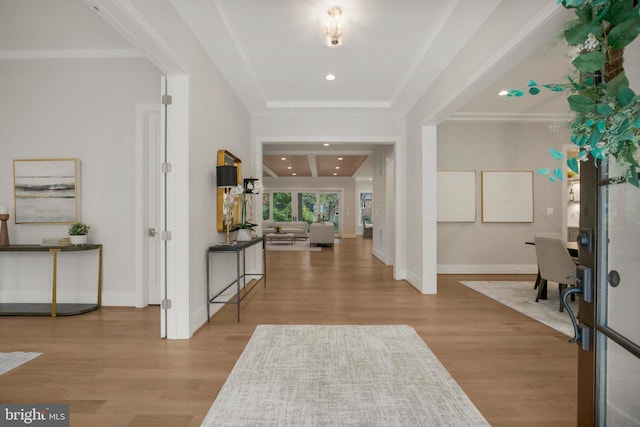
(165,304)
(166,235)
(166,99)
(166,167)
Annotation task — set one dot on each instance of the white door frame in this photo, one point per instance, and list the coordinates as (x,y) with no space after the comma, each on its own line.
(141,249)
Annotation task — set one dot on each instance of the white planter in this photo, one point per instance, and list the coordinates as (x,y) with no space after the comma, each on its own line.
(78,240)
(243,235)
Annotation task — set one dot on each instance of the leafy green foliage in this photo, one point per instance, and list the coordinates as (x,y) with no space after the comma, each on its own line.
(606,123)
(78,229)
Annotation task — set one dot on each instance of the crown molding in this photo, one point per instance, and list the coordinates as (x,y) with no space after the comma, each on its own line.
(505,117)
(320,104)
(71,54)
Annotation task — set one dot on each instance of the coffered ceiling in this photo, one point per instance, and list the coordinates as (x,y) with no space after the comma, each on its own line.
(318,160)
(311,165)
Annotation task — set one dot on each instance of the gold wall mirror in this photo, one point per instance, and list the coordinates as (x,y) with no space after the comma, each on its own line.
(225,158)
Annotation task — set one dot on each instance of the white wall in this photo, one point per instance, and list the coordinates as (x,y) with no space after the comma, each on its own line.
(384,203)
(361,187)
(217,121)
(494,146)
(83,109)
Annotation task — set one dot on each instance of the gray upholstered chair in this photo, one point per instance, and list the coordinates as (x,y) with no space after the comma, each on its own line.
(555,264)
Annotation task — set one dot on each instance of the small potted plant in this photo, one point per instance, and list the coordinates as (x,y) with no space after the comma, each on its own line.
(278,228)
(78,233)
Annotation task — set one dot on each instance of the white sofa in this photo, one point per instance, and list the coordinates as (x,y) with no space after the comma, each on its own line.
(297,228)
(321,233)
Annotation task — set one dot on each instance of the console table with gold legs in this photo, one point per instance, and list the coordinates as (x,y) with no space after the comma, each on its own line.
(241,274)
(54,308)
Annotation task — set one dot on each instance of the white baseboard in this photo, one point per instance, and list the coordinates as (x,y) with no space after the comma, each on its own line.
(487,269)
(380,255)
(119,299)
(413,280)
(115,299)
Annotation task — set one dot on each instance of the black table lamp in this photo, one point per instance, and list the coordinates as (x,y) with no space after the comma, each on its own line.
(226,176)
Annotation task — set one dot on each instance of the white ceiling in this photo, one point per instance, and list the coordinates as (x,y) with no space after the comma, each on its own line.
(273,55)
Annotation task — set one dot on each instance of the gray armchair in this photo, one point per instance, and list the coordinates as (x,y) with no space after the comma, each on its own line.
(555,264)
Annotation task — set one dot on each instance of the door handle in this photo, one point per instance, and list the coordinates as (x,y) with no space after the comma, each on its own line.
(151,232)
(581,333)
(584,282)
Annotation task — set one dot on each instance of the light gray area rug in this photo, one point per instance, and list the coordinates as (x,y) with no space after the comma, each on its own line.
(9,361)
(299,245)
(340,376)
(521,297)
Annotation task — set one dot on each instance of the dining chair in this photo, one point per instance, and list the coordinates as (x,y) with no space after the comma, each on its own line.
(367,229)
(554,263)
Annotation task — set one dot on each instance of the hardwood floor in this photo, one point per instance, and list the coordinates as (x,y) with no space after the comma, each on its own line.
(113,370)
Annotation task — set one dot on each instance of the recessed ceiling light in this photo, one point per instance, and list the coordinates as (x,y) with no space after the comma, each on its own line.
(337,167)
(294,174)
(326,145)
(335,173)
(289,167)
(283,158)
(503,93)
(340,158)
(330,77)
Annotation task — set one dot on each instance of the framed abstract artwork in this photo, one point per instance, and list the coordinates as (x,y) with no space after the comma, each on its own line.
(45,191)
(456,196)
(507,196)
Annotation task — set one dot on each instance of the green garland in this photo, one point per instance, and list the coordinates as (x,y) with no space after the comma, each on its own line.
(606,122)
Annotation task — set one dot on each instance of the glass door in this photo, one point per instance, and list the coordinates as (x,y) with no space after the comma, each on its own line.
(282,206)
(330,209)
(617,316)
(609,336)
(307,206)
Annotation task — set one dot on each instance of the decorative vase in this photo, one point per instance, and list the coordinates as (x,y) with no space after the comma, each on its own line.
(78,240)
(243,235)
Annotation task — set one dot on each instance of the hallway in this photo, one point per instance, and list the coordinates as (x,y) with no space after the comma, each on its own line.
(113,369)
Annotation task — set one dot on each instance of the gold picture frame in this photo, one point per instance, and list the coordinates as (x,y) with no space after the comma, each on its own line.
(226,158)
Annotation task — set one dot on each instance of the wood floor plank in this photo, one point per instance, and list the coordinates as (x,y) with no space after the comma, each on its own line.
(112,368)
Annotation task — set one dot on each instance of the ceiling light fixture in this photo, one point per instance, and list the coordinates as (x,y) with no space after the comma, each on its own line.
(503,93)
(330,77)
(289,167)
(294,174)
(340,158)
(337,167)
(333,29)
(326,145)
(283,158)
(335,173)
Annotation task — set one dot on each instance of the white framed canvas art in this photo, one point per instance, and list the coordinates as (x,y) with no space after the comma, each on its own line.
(45,191)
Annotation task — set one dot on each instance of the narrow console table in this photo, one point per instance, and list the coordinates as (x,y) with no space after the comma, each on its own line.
(239,249)
(54,308)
